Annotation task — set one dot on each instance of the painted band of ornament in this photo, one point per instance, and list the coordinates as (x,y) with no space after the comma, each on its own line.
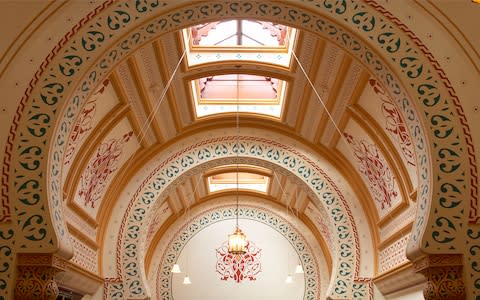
(130,234)
(200,222)
(41,104)
(474,212)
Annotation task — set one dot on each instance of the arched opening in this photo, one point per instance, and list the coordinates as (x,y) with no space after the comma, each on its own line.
(406,73)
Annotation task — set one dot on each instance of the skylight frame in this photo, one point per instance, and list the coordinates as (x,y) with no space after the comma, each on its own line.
(291,33)
(229,184)
(265,107)
(278,56)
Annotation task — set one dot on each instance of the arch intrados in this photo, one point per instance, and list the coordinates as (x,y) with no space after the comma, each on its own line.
(224,161)
(262,18)
(210,123)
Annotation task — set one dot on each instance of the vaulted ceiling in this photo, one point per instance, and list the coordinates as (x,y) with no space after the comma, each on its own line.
(132,117)
(139,161)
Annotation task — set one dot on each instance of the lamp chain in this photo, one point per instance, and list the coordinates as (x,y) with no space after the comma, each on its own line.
(238,138)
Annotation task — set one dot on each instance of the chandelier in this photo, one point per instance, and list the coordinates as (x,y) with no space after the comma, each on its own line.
(237,240)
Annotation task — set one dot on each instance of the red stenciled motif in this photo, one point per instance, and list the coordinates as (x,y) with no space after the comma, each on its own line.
(83,124)
(155,224)
(239,267)
(394,122)
(104,163)
(376,170)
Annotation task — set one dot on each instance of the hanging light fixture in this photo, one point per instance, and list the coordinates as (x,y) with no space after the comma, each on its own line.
(299,269)
(186,280)
(237,240)
(176,269)
(289,279)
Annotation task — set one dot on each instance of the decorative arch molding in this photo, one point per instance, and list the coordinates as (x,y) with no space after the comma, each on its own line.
(170,247)
(207,153)
(93,47)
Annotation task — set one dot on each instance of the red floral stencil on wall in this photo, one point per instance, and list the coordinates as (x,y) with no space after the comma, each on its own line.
(375,169)
(104,163)
(84,123)
(394,123)
(239,267)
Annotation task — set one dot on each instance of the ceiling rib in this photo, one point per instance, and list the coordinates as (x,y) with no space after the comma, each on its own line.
(125,89)
(307,90)
(165,74)
(333,95)
(339,115)
(139,84)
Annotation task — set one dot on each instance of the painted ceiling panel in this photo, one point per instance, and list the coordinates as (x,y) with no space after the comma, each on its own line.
(364,153)
(102,102)
(305,52)
(386,114)
(131,87)
(345,98)
(111,154)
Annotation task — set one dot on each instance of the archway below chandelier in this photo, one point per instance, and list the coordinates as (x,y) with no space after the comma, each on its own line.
(258,274)
(278,241)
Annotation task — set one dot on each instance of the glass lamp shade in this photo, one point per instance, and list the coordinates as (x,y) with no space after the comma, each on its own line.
(186,280)
(176,269)
(237,242)
(299,269)
(289,279)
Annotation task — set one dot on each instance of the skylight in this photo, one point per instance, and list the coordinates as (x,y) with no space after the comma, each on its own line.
(256,94)
(247,40)
(239,33)
(248,181)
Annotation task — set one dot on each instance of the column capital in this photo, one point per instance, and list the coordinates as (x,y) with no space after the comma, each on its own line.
(36,276)
(444,276)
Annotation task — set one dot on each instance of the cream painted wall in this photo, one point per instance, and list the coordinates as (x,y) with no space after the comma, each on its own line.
(22,16)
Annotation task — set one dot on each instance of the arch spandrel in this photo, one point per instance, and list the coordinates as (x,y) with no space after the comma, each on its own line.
(444,170)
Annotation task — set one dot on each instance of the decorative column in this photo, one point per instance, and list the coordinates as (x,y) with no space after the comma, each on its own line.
(444,276)
(36,276)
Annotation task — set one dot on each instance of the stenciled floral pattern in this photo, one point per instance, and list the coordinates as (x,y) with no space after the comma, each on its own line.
(239,267)
(103,163)
(84,124)
(394,123)
(376,171)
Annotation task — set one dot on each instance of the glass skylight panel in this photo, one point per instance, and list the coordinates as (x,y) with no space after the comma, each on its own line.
(234,33)
(250,88)
(248,40)
(215,34)
(248,181)
(255,94)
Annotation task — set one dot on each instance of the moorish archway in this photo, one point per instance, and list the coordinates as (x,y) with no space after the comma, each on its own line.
(160,278)
(33,173)
(252,150)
